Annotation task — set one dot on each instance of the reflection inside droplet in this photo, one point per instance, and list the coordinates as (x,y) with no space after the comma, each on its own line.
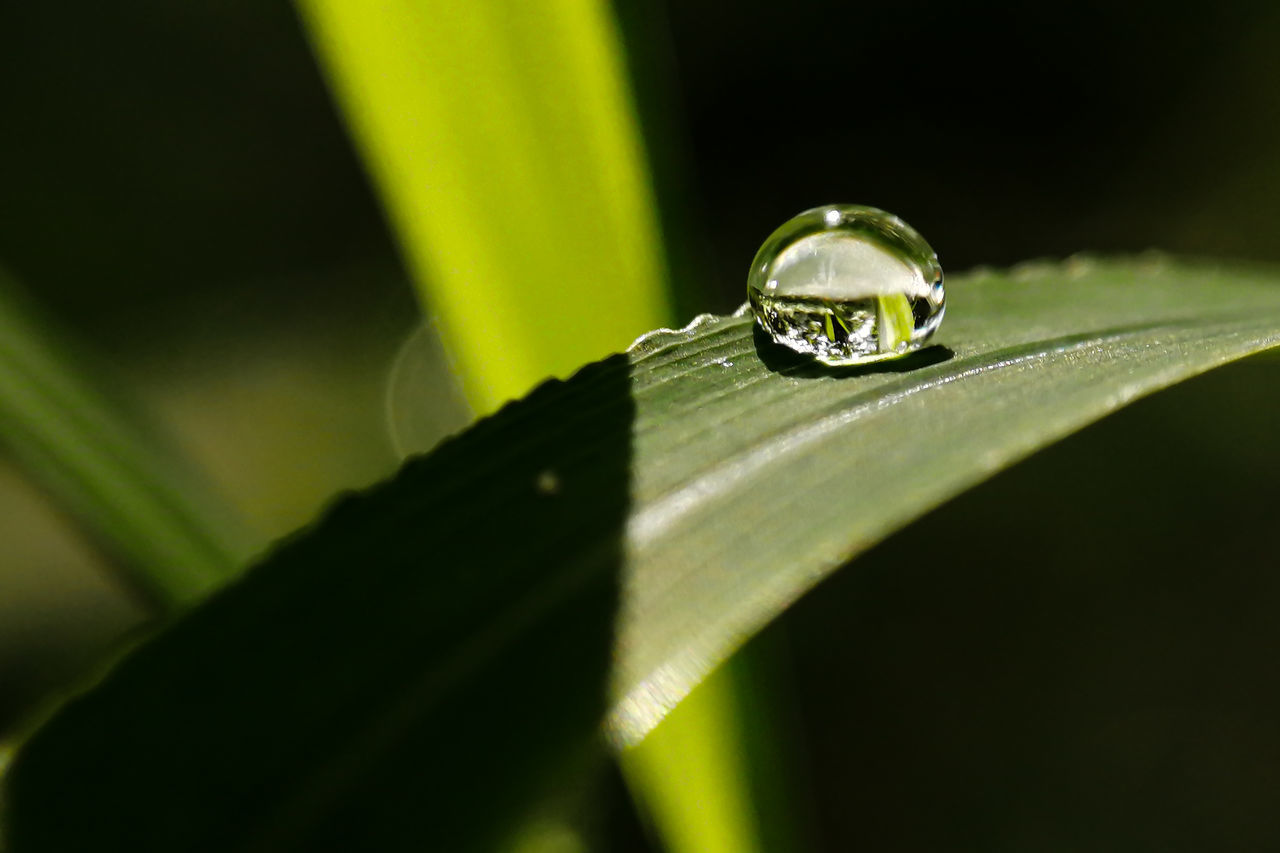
(847,285)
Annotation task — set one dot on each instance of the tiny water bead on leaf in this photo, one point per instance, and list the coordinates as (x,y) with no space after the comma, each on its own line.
(846,285)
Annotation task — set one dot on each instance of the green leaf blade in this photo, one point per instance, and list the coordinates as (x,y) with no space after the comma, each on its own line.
(821,464)
(666,506)
(503,140)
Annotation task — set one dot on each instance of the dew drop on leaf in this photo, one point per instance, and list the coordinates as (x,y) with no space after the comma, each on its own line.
(847,284)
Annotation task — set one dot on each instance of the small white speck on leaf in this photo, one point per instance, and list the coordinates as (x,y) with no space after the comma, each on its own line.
(547,483)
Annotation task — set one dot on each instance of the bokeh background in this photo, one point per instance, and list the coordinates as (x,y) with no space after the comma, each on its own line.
(1077,652)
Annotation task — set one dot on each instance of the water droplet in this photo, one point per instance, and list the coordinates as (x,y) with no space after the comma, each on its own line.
(847,285)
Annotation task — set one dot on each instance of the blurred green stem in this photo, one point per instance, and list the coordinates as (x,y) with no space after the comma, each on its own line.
(691,775)
(168,534)
(503,139)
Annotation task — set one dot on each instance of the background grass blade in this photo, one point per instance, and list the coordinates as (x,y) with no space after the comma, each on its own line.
(170,537)
(504,143)
(503,138)
(699,485)
(692,774)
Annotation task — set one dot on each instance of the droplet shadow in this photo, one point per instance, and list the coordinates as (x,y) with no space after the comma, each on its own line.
(780,359)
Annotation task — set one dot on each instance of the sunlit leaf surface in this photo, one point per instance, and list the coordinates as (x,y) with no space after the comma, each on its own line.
(406,672)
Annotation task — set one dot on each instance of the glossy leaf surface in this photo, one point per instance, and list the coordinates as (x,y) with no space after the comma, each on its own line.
(408,670)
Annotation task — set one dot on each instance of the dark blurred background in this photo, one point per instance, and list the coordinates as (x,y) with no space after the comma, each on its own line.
(1003,131)
(1075,656)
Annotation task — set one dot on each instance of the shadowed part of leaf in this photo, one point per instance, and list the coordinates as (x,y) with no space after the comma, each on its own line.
(400,676)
